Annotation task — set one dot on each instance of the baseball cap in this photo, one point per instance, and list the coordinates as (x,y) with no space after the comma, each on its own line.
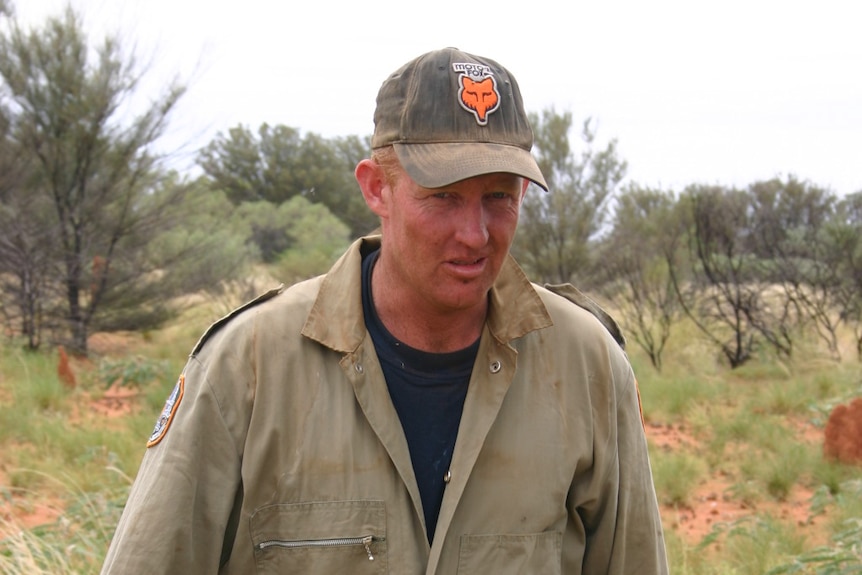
(451,115)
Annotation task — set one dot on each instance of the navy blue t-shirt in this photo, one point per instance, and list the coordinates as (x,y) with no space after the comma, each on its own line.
(428,391)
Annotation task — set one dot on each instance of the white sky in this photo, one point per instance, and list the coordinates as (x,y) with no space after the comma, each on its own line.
(694,91)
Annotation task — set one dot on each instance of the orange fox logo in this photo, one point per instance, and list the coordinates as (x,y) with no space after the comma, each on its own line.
(480,97)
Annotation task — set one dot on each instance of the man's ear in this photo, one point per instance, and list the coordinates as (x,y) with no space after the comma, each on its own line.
(372,182)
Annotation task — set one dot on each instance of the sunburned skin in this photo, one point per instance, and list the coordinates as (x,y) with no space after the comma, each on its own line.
(442,251)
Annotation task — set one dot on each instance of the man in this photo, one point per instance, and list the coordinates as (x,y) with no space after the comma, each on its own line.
(421,408)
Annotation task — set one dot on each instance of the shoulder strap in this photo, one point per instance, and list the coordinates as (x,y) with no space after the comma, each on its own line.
(221,322)
(575,296)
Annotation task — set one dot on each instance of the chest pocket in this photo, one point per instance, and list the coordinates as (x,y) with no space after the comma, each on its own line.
(320,537)
(521,554)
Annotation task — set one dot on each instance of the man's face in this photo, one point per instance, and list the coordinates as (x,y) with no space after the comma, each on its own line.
(445,246)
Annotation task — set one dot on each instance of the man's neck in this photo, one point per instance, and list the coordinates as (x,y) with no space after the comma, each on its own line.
(422,327)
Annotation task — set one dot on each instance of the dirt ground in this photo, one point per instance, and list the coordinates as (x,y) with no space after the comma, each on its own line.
(712,503)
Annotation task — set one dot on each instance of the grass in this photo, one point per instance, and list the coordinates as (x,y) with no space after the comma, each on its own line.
(755,545)
(45,427)
(676,475)
(759,429)
(745,430)
(72,544)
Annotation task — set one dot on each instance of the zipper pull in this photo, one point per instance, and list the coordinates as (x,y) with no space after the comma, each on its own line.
(366,542)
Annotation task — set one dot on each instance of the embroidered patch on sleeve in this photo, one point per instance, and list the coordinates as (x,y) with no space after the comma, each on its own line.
(168,412)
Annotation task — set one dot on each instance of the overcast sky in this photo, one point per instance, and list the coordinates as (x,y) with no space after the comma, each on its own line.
(723,92)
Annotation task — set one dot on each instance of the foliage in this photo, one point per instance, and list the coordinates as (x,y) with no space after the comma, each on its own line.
(77,226)
(317,238)
(635,270)
(722,293)
(844,239)
(278,163)
(557,227)
(790,237)
(752,268)
(134,371)
(842,557)
(293,230)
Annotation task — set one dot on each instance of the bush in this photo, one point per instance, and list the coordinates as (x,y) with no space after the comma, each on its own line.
(134,371)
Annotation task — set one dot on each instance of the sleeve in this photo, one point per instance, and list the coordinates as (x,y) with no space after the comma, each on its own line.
(623,525)
(181,502)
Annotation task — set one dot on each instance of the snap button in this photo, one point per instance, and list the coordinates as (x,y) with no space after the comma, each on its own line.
(447,477)
(496,366)
(358,368)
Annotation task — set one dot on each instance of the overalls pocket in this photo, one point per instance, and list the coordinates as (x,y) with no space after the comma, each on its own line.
(320,537)
(510,554)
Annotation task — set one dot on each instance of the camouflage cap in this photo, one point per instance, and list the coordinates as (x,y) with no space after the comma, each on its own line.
(451,115)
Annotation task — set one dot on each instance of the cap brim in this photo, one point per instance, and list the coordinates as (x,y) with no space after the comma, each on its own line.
(441,164)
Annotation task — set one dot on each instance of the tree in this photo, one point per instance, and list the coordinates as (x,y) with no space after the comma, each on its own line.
(557,227)
(317,238)
(279,163)
(348,204)
(249,167)
(719,293)
(202,253)
(790,239)
(94,178)
(844,242)
(24,269)
(634,267)
(23,243)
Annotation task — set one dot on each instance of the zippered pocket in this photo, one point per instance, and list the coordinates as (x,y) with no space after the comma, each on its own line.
(320,537)
(366,541)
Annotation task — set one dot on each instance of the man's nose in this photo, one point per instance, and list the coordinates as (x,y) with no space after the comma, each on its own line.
(472,224)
